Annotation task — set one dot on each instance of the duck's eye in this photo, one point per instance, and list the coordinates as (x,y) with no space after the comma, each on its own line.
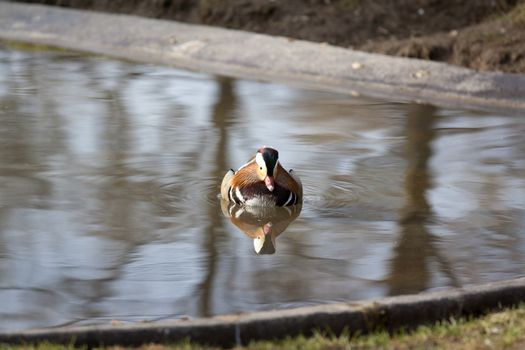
(260,168)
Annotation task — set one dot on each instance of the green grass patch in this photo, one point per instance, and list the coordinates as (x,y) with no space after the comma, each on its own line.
(348,5)
(504,329)
(516,16)
(24,46)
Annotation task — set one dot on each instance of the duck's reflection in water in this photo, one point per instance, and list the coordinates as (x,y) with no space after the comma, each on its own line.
(262,224)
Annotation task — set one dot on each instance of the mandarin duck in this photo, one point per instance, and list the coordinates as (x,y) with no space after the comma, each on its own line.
(262,182)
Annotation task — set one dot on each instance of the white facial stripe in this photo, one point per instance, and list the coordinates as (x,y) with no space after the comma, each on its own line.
(260,160)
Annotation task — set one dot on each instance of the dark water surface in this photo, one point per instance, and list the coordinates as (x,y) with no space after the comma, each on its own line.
(110,171)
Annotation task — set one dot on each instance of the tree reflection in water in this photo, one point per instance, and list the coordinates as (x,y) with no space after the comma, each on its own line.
(417,247)
(222,116)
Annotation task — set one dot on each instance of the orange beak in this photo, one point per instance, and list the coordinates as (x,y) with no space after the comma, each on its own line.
(270,184)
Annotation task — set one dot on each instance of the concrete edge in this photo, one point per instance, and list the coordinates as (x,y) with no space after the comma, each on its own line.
(256,56)
(392,313)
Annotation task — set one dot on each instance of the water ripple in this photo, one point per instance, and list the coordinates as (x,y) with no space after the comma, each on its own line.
(187,193)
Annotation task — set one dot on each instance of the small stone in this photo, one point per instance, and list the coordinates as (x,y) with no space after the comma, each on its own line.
(355,93)
(453,33)
(421,74)
(189,47)
(356,66)
(495,330)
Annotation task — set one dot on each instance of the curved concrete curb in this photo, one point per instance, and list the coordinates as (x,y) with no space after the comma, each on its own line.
(256,56)
(388,313)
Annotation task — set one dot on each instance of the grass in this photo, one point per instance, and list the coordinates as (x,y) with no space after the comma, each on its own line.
(348,5)
(18,45)
(516,16)
(498,29)
(500,330)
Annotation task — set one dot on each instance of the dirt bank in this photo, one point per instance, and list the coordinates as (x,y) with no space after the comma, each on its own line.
(481,34)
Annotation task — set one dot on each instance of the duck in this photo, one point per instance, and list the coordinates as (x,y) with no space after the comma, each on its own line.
(262,181)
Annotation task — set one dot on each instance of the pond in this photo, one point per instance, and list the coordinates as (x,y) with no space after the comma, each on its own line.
(109,183)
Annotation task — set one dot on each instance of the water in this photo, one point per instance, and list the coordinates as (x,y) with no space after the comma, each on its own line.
(110,171)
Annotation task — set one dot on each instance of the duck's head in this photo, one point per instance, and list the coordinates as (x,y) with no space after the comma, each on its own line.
(267,159)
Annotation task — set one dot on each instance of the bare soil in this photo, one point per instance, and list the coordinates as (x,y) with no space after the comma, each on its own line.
(479,34)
